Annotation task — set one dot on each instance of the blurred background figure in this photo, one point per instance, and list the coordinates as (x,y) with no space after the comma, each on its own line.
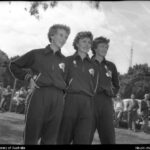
(1,91)
(144,112)
(19,101)
(6,98)
(132,108)
(118,107)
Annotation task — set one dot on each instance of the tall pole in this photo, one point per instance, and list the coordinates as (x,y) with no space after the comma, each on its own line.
(12,95)
(131,57)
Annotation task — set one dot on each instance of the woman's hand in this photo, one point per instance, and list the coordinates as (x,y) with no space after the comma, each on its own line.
(33,85)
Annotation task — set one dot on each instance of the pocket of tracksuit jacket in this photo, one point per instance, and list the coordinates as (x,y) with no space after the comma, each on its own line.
(108,91)
(43,80)
(74,86)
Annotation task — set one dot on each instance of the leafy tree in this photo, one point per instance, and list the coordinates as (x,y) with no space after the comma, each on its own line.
(4,60)
(137,81)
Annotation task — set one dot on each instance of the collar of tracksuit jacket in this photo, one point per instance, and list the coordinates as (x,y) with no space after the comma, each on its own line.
(104,61)
(77,57)
(48,50)
(79,79)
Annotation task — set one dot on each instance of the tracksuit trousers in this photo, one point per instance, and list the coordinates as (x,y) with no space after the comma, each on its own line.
(43,116)
(103,119)
(76,122)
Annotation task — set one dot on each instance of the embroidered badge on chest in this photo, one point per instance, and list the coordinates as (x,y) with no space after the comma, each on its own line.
(108,72)
(62,66)
(91,71)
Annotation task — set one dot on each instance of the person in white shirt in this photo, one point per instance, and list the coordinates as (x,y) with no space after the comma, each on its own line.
(118,107)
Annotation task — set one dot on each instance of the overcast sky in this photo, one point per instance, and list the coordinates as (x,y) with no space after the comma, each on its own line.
(126,23)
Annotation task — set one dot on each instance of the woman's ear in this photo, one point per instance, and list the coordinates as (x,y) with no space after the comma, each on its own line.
(77,45)
(52,38)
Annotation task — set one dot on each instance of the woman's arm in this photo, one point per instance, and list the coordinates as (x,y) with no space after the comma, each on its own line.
(17,67)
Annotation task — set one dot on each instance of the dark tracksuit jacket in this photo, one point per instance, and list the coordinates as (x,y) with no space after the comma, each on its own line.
(108,86)
(77,117)
(46,103)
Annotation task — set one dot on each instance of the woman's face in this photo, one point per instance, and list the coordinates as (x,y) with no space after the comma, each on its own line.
(101,49)
(132,96)
(59,38)
(84,45)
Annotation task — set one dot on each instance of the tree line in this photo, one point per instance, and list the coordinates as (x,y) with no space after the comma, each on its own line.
(136,81)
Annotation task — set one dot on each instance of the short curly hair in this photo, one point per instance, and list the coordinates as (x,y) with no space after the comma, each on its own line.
(53,29)
(97,41)
(81,35)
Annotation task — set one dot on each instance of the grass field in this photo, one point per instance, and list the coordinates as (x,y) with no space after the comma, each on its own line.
(12,126)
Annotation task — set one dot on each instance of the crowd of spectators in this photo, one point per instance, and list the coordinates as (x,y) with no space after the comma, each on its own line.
(13,101)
